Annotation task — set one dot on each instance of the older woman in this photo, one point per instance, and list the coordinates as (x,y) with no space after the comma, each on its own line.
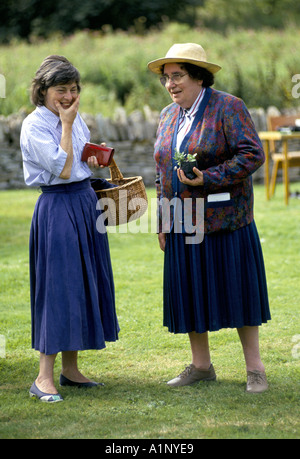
(72,288)
(218,282)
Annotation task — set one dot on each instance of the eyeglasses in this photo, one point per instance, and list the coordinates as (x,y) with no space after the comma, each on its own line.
(175,78)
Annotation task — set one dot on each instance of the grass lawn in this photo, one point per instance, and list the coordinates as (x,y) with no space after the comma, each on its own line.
(135,402)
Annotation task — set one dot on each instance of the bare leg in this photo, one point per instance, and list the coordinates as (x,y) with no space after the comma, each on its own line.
(44,381)
(249,337)
(70,368)
(200,350)
(201,367)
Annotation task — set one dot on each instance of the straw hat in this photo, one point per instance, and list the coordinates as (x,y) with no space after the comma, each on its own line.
(184,52)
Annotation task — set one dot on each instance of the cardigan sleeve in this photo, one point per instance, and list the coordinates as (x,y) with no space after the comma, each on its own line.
(246,151)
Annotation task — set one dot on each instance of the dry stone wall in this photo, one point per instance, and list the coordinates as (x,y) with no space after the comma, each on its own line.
(132,136)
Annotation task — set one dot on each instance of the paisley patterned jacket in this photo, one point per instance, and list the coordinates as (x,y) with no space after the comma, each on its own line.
(228,152)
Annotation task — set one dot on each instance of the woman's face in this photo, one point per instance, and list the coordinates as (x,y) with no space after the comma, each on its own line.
(184,93)
(64,94)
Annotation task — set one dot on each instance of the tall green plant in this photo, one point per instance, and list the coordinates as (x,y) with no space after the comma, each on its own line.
(114,70)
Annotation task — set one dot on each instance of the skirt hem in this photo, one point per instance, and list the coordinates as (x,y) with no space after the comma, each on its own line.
(211,330)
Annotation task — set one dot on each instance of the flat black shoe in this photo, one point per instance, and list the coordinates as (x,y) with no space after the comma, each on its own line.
(63,381)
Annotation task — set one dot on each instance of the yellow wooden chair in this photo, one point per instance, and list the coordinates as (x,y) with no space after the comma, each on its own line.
(275,122)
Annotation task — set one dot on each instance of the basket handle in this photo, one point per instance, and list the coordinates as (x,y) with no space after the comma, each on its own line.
(115,173)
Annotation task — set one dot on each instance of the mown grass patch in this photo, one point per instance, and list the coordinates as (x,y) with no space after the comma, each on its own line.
(135,402)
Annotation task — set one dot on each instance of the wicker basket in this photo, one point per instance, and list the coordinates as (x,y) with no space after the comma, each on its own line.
(129,196)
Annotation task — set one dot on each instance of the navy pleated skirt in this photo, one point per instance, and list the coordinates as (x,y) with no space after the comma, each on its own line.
(71,279)
(218,283)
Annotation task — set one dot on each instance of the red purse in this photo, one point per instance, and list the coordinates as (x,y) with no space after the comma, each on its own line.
(103,154)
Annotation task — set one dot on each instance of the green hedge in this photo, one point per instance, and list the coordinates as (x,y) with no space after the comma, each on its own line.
(256,66)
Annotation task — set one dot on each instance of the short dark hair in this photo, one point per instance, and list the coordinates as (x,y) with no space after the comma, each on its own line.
(200,73)
(197,73)
(53,71)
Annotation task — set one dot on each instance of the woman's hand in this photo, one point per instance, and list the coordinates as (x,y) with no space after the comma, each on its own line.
(197,181)
(68,115)
(162,240)
(92,160)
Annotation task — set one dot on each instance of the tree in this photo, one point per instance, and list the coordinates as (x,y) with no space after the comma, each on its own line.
(25,17)
(254,14)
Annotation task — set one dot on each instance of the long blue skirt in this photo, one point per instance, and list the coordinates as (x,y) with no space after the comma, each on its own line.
(71,279)
(219,283)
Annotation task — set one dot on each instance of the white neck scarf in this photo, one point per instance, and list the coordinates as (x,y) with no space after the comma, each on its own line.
(186,119)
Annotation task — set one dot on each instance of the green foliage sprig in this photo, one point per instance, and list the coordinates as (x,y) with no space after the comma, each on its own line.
(182,157)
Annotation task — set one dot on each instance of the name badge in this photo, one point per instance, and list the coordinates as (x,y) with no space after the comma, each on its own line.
(218,197)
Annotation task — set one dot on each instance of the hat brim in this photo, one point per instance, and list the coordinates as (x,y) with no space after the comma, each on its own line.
(155,66)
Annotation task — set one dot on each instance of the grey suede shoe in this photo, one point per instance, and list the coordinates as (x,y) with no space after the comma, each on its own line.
(256,382)
(192,375)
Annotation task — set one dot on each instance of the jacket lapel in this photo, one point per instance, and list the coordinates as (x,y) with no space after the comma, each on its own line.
(199,115)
